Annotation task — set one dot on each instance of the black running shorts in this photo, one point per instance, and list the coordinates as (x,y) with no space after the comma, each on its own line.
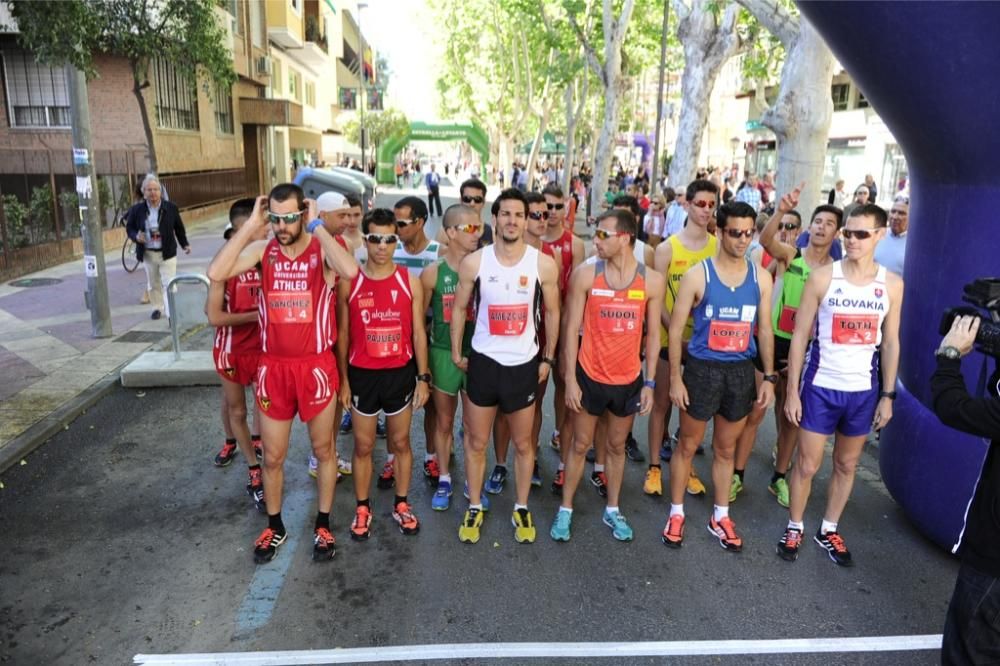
(389,390)
(713,387)
(490,384)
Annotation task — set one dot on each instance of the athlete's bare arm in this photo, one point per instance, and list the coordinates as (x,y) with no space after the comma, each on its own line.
(580,282)
(889,360)
(343,340)
(467,272)
(428,279)
(548,275)
(217,316)
(241,253)
(689,292)
(662,257)
(769,235)
(337,259)
(647,255)
(765,334)
(655,288)
(816,285)
(423,389)
(578,252)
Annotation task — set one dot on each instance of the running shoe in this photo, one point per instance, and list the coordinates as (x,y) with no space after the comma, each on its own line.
(591,454)
(788,546)
(432,471)
(632,450)
(324,545)
(494,484)
(725,531)
(700,451)
(442,496)
(735,488)
(403,515)
(620,528)
(780,490)
(484,499)
(835,548)
(694,484)
(536,476)
(266,545)
(313,466)
(387,478)
(472,523)
(654,481)
(600,481)
(558,481)
(361,526)
(346,425)
(673,531)
(380,427)
(226,455)
(344,468)
(555,442)
(258,450)
(666,451)
(255,488)
(561,526)
(524,526)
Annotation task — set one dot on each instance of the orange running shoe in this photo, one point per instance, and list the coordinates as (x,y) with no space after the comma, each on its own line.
(673,532)
(725,530)
(403,515)
(362,523)
(266,545)
(324,545)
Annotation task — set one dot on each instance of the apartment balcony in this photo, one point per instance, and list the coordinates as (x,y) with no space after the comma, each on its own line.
(284,37)
(261,111)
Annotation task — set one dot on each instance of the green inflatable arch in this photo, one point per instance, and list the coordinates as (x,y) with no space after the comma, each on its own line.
(420,131)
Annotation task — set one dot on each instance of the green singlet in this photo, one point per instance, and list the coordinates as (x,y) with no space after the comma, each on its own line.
(793,283)
(447,377)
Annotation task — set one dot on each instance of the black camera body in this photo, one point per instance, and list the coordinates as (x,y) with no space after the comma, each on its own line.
(984,294)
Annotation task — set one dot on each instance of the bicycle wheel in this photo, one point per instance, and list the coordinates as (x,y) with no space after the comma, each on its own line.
(129,261)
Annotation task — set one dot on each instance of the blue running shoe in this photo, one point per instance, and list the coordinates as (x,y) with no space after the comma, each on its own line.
(620,528)
(483,497)
(560,528)
(494,484)
(442,496)
(380,427)
(346,425)
(536,476)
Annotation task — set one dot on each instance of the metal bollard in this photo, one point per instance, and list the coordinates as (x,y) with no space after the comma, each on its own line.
(190,278)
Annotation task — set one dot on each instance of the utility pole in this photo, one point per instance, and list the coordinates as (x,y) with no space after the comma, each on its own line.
(364,91)
(96,296)
(654,180)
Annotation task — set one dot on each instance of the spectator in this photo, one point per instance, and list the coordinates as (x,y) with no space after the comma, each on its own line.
(749,193)
(433,182)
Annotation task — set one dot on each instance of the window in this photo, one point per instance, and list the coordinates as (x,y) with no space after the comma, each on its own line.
(311,94)
(276,77)
(37,96)
(840,93)
(862,101)
(176,97)
(257,29)
(236,8)
(223,109)
(294,85)
(348,98)
(296,5)
(374,99)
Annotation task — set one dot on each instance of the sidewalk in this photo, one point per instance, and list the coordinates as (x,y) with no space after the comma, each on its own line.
(51,369)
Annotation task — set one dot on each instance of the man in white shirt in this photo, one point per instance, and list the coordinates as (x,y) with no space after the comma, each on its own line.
(892,250)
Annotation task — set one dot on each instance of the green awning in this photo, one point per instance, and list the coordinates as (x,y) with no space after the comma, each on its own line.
(329,3)
(549,145)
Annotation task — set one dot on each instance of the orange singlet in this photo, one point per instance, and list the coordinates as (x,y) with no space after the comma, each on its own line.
(610,352)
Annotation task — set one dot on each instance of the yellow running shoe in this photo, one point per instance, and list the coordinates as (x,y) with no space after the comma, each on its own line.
(654,481)
(468,531)
(694,485)
(524,526)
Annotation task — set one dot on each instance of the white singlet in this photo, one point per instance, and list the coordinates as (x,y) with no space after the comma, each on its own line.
(508,301)
(843,354)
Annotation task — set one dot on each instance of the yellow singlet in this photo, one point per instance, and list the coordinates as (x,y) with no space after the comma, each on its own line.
(681,259)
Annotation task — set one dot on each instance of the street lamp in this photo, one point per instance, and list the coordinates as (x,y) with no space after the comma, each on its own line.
(364,89)
(734,142)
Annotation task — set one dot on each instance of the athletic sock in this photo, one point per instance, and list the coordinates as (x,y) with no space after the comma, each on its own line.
(322,520)
(475,507)
(230,440)
(562,466)
(827,526)
(776,476)
(792,525)
(274,522)
(430,456)
(598,467)
(365,502)
(656,465)
(446,478)
(677,510)
(399,498)
(254,466)
(391,457)
(611,509)
(254,438)
(569,511)
(720,512)
(518,507)
(740,473)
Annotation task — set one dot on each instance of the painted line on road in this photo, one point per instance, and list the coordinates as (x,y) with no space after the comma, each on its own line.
(265,586)
(551,650)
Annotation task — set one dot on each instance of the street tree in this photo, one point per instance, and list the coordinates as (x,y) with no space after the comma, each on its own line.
(801,115)
(188,34)
(379,126)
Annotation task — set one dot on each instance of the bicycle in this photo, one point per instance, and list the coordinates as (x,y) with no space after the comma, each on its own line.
(130,261)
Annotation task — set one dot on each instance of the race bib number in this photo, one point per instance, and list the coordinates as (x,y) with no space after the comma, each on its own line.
(619,318)
(786,320)
(247,294)
(855,329)
(384,341)
(508,319)
(448,302)
(729,337)
(290,307)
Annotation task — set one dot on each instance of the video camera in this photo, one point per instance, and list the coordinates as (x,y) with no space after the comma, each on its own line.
(983,293)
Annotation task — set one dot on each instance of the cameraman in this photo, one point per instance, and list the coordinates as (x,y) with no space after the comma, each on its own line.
(972,627)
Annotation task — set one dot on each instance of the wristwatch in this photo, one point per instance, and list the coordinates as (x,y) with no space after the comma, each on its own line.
(949,352)
(550,361)
(311,227)
(887,394)
(771,378)
(426,378)
(650,383)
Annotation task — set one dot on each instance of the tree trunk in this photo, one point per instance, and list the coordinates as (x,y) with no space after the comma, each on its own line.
(568,156)
(536,145)
(504,158)
(801,116)
(138,84)
(707,47)
(605,148)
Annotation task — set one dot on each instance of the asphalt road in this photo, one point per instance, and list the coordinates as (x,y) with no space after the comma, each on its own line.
(121,537)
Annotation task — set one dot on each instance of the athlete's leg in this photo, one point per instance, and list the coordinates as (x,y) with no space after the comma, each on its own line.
(478,422)
(364,445)
(692,433)
(445,407)
(325,450)
(430,421)
(575,452)
(521,424)
(725,434)
(659,417)
(601,440)
(787,431)
(744,445)
(501,438)
(618,429)
(398,442)
(235,399)
(275,433)
(224,414)
(537,428)
(808,460)
(846,452)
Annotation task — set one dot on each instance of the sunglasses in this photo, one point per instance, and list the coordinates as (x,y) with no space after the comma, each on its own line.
(604,234)
(467,228)
(558,206)
(737,233)
(703,204)
(858,194)
(381,239)
(287,218)
(539,215)
(860,234)
(405,222)
(788,226)
(468,200)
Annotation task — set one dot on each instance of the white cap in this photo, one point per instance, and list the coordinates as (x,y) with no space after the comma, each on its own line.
(330,201)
